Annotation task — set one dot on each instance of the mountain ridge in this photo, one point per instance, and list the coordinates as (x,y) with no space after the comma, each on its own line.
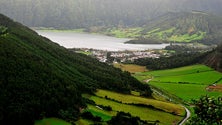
(183,27)
(70,14)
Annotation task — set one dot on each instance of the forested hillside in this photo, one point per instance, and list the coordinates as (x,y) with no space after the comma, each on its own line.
(71,14)
(214,59)
(39,78)
(183,27)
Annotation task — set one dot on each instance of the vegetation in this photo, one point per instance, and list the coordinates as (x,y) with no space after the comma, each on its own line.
(181,27)
(192,80)
(208,111)
(144,113)
(39,78)
(51,121)
(123,32)
(174,61)
(130,99)
(127,119)
(96,111)
(130,67)
(71,14)
(214,59)
(3,30)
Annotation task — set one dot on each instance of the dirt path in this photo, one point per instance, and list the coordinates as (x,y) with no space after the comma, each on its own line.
(188,114)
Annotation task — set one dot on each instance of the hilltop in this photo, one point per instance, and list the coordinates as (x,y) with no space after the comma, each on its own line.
(39,78)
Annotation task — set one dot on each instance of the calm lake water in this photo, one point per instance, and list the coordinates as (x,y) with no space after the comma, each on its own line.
(71,39)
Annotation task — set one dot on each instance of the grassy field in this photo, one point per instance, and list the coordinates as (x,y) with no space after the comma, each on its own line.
(105,115)
(168,107)
(125,32)
(51,121)
(187,83)
(142,112)
(168,35)
(185,91)
(84,122)
(187,37)
(130,67)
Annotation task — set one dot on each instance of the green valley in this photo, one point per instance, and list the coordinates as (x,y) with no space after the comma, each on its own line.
(187,83)
(147,109)
(40,79)
(111,62)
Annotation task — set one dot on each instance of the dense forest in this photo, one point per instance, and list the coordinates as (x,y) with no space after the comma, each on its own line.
(39,78)
(71,14)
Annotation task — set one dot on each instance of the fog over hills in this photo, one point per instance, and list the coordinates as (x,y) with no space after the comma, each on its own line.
(86,13)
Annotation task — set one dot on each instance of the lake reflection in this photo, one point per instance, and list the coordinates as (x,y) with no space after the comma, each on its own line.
(71,39)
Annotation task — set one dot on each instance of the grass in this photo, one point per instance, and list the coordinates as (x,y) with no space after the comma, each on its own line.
(130,67)
(124,98)
(169,35)
(187,83)
(51,121)
(142,112)
(186,92)
(60,30)
(187,37)
(105,115)
(205,78)
(84,52)
(177,71)
(84,122)
(125,32)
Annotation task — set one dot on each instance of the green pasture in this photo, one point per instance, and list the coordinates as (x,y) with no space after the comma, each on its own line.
(129,99)
(51,121)
(187,82)
(169,35)
(84,122)
(105,115)
(206,78)
(125,32)
(187,37)
(142,112)
(186,92)
(177,71)
(84,52)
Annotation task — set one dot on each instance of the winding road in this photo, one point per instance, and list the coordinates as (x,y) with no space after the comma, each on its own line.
(187,116)
(188,113)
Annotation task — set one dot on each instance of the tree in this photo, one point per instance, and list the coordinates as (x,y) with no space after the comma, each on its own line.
(208,111)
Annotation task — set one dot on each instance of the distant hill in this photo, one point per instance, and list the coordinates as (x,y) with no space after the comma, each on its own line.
(39,78)
(69,14)
(195,26)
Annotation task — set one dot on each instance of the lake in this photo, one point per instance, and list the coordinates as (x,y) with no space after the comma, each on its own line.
(70,39)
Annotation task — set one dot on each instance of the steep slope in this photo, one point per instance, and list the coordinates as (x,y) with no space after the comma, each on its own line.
(186,27)
(39,78)
(214,59)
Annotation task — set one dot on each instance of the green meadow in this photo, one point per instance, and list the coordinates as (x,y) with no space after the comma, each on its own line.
(130,99)
(168,35)
(51,121)
(125,32)
(105,115)
(143,112)
(187,83)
